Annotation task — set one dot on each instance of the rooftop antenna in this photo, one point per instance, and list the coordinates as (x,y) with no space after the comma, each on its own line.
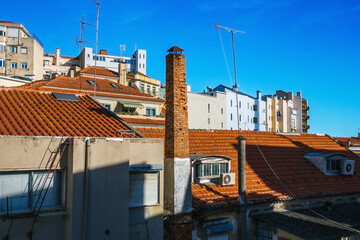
(81,41)
(122,48)
(232,31)
(96,41)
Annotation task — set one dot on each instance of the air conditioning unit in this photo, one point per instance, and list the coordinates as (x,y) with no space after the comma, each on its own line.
(227,179)
(347,167)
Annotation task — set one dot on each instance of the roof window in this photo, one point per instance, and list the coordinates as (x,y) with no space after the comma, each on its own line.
(92,83)
(115,85)
(332,164)
(65,97)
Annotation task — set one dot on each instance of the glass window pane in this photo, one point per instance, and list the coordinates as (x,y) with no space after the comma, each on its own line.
(224,168)
(207,168)
(52,197)
(215,170)
(15,187)
(198,172)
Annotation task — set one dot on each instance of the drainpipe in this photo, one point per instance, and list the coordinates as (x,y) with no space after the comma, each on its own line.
(242,187)
(86,182)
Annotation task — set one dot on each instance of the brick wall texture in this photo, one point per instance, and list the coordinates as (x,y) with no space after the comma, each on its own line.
(176,121)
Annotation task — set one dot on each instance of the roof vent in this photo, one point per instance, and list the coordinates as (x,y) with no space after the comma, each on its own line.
(91,82)
(115,85)
(65,97)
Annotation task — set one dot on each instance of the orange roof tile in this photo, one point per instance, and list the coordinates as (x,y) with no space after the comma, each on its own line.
(81,84)
(285,154)
(101,71)
(32,113)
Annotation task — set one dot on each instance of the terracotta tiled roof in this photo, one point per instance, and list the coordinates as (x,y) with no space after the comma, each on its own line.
(101,71)
(348,141)
(34,113)
(81,84)
(285,154)
(144,120)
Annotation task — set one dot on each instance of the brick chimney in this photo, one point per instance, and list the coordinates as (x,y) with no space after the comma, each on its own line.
(103,52)
(122,74)
(177,159)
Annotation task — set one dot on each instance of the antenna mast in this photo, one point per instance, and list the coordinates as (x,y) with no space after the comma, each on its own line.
(96,41)
(233,50)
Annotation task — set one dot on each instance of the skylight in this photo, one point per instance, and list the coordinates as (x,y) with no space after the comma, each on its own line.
(115,85)
(91,82)
(65,97)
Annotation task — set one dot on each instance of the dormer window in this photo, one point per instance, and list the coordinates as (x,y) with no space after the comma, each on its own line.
(332,164)
(208,168)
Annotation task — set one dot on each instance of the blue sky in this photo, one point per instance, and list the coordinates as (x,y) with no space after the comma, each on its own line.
(311,46)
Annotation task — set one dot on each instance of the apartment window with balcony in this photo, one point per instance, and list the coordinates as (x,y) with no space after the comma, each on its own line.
(20,190)
(14,49)
(23,50)
(2,63)
(24,65)
(13,65)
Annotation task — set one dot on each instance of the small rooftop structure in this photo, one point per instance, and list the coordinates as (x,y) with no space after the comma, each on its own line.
(175,49)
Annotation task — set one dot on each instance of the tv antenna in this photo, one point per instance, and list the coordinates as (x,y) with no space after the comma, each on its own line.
(81,41)
(96,39)
(232,31)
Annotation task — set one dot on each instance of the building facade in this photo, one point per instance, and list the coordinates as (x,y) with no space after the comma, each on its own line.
(135,63)
(252,110)
(207,110)
(144,83)
(56,65)
(21,54)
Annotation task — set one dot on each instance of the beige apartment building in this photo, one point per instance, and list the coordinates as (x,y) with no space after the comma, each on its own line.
(279,115)
(145,83)
(20,53)
(56,64)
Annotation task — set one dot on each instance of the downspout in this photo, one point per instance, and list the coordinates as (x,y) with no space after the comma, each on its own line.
(86,182)
(242,187)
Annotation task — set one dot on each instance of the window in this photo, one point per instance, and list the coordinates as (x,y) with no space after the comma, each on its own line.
(91,82)
(13,49)
(2,47)
(255,107)
(248,119)
(13,32)
(13,65)
(231,116)
(230,103)
(154,91)
(148,89)
(23,65)
(208,168)
(248,105)
(263,231)
(143,55)
(222,125)
(240,117)
(2,63)
(208,120)
(21,190)
(239,104)
(142,87)
(63,73)
(251,108)
(107,105)
(222,111)
(46,62)
(255,120)
(144,189)
(115,85)
(139,65)
(208,107)
(2,30)
(151,111)
(333,165)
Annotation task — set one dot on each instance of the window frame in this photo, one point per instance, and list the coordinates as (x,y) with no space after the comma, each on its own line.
(150,109)
(30,191)
(209,161)
(22,64)
(13,65)
(23,48)
(13,49)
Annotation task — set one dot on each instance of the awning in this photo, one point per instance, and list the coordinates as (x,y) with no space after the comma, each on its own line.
(328,222)
(131,104)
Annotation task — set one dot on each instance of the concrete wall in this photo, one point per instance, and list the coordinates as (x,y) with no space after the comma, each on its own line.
(95,201)
(12,82)
(200,117)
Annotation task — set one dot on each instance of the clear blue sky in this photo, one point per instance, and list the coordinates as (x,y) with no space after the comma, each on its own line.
(307,45)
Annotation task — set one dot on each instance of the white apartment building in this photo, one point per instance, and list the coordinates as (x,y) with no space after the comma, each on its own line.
(207,110)
(136,63)
(56,64)
(252,110)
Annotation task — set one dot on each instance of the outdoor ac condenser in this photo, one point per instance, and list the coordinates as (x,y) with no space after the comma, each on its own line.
(227,179)
(347,167)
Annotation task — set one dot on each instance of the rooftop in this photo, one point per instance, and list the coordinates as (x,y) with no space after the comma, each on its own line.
(104,88)
(285,155)
(35,113)
(101,71)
